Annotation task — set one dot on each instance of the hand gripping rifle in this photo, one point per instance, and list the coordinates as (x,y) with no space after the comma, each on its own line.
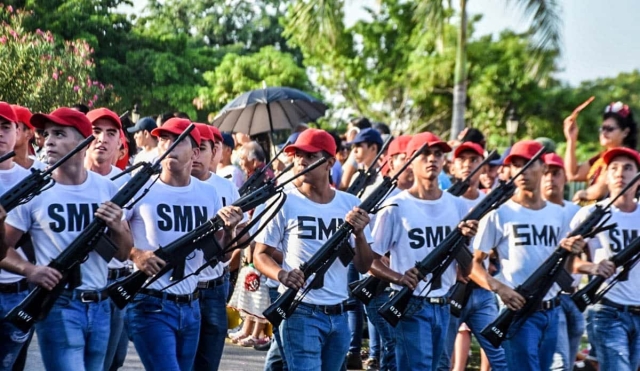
(453,247)
(7,156)
(256,180)
(366,288)
(534,288)
(202,237)
(39,302)
(626,259)
(365,177)
(332,249)
(37,182)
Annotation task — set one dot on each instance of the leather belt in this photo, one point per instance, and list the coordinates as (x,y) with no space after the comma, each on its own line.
(549,304)
(114,274)
(211,283)
(85,296)
(633,309)
(180,299)
(14,287)
(331,310)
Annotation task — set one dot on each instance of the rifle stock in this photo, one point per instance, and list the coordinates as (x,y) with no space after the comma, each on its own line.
(7,156)
(363,176)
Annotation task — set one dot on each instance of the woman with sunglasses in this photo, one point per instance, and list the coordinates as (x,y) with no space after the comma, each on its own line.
(618,129)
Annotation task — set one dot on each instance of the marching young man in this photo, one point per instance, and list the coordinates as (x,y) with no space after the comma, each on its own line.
(314,337)
(616,318)
(165,324)
(213,282)
(73,334)
(418,221)
(525,231)
(26,132)
(481,307)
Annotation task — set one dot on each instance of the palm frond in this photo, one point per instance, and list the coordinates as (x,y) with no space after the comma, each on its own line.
(545,19)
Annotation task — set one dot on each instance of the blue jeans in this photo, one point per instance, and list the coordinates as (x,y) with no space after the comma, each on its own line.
(74,335)
(12,339)
(313,340)
(356,316)
(617,338)
(114,358)
(419,335)
(384,330)
(530,345)
(165,333)
(275,360)
(374,337)
(570,329)
(480,311)
(213,327)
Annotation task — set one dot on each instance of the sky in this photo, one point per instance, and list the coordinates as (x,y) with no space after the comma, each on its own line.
(598,36)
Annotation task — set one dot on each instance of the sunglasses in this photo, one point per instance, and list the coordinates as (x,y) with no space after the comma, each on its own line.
(607,129)
(618,108)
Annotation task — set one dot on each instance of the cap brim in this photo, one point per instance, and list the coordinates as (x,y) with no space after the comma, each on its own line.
(110,118)
(158,131)
(443,145)
(461,148)
(508,159)
(309,148)
(40,119)
(619,152)
(133,129)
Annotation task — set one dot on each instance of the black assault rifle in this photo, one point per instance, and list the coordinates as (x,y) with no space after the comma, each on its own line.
(365,177)
(7,156)
(453,247)
(256,180)
(366,288)
(626,259)
(37,182)
(331,250)
(552,270)
(39,302)
(202,237)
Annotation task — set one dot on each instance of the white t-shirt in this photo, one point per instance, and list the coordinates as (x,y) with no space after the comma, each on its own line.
(8,179)
(472,203)
(147,156)
(300,229)
(228,194)
(609,243)
(524,239)
(37,164)
(413,229)
(233,174)
(56,217)
(167,213)
(571,209)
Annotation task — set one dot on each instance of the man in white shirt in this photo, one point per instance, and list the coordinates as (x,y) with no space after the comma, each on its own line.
(213,282)
(419,220)
(525,231)
(615,320)
(164,323)
(481,307)
(107,128)
(314,337)
(26,131)
(226,168)
(73,334)
(147,143)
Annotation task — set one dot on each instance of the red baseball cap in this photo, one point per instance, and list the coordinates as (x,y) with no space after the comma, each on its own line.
(524,149)
(65,117)
(398,145)
(205,133)
(469,146)
(552,159)
(177,126)
(6,112)
(621,151)
(313,140)
(103,113)
(217,135)
(122,163)
(431,139)
(23,115)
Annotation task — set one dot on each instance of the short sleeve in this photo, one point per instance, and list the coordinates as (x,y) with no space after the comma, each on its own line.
(20,217)
(489,233)
(581,215)
(273,232)
(384,233)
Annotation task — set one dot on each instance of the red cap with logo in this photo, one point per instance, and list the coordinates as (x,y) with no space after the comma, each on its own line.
(398,145)
(23,115)
(217,135)
(177,126)
(469,146)
(552,159)
(6,112)
(621,151)
(64,117)
(103,113)
(431,139)
(313,140)
(205,133)
(524,149)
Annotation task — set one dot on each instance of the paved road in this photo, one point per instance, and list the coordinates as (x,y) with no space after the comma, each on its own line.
(234,358)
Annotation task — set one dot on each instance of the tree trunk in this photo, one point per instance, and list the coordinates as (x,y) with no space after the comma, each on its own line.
(460,78)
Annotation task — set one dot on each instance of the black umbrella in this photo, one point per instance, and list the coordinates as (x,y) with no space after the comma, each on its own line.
(265,110)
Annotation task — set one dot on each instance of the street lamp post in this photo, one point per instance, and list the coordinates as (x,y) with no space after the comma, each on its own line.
(135,114)
(512,125)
